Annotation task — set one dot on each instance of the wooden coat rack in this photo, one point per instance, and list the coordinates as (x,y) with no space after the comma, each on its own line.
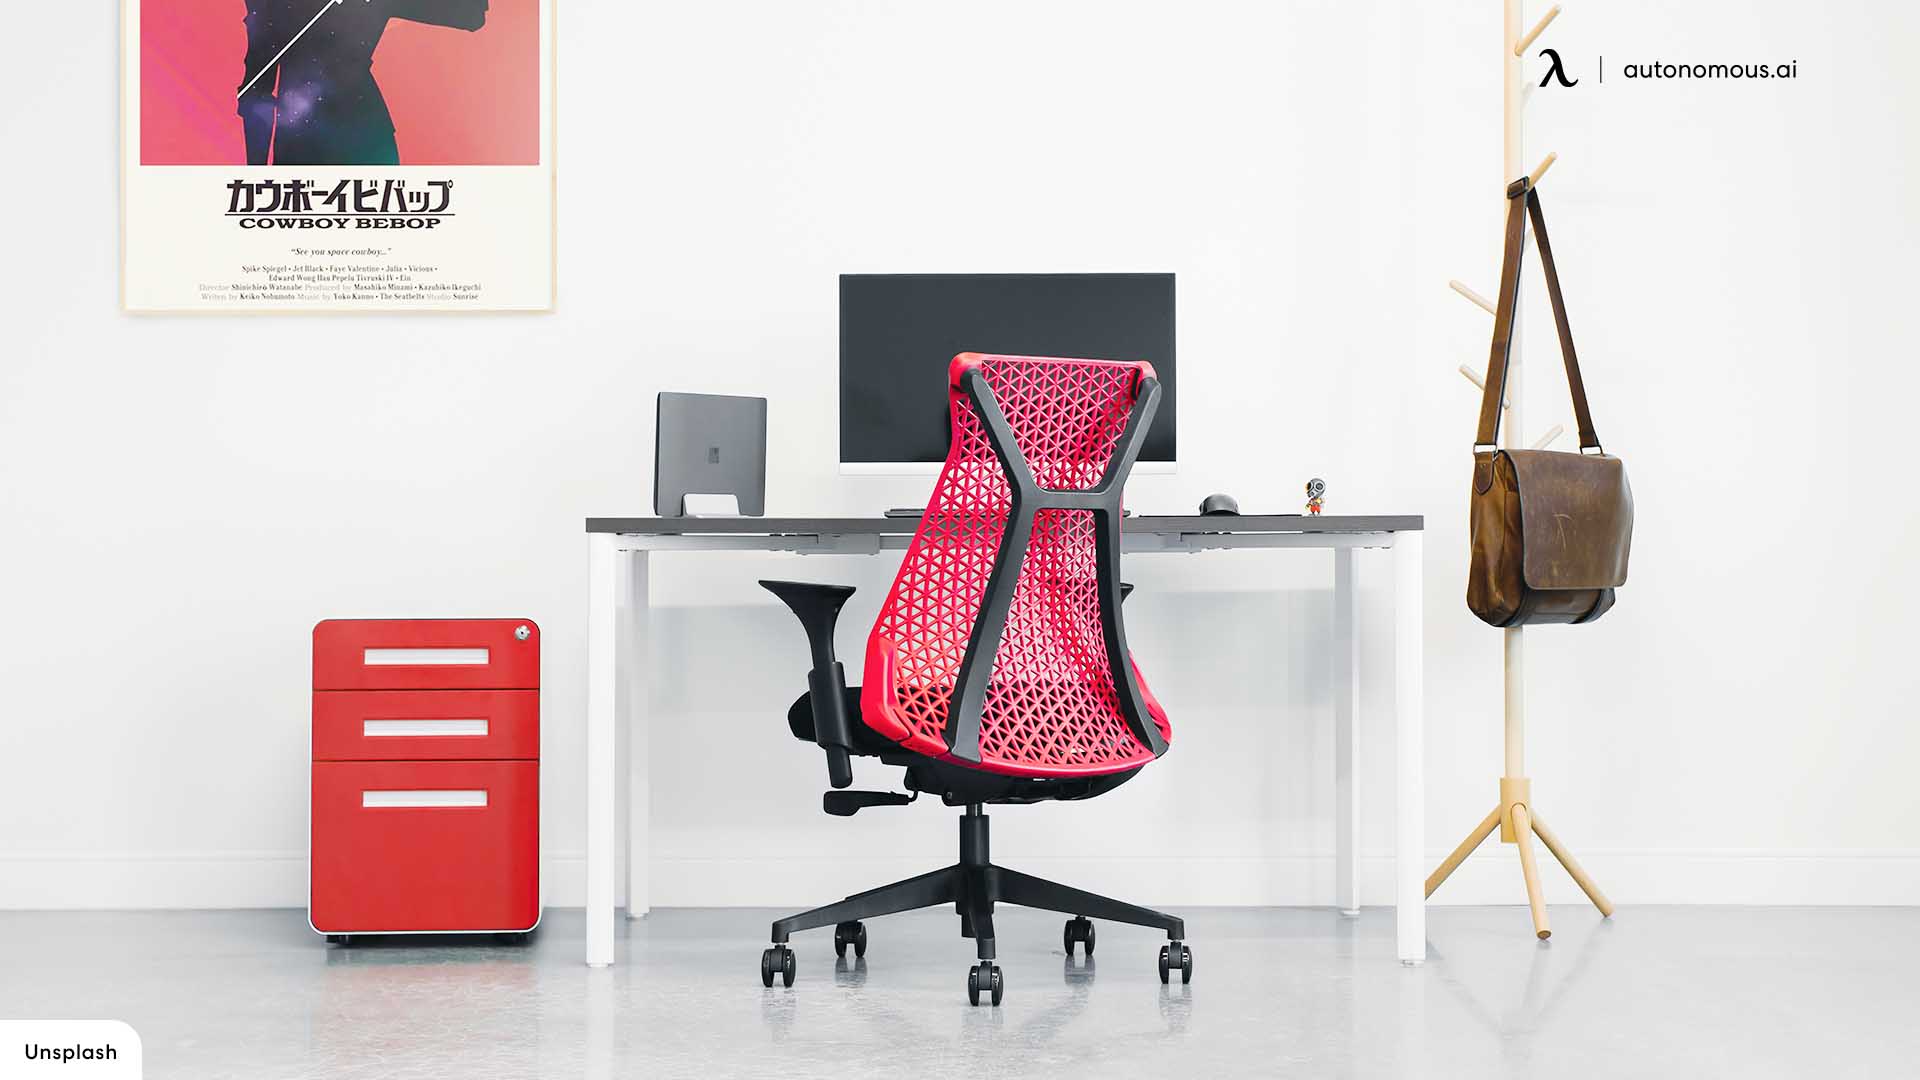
(1515,816)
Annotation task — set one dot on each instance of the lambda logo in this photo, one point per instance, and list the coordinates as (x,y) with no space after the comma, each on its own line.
(1557,70)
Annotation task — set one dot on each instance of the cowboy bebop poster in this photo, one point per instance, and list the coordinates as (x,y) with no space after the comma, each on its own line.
(338,155)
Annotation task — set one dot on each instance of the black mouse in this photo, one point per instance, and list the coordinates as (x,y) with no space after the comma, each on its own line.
(1216,504)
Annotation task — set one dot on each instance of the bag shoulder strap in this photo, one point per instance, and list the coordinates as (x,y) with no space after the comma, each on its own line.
(1494,386)
(1523,202)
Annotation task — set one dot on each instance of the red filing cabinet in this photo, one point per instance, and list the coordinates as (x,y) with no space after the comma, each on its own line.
(426,776)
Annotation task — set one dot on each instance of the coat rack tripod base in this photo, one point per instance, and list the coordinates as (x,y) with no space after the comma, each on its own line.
(1518,825)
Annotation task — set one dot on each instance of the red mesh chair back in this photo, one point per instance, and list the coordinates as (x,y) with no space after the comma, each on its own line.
(1000,646)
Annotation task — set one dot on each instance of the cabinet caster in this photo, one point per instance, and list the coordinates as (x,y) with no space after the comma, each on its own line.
(1170,960)
(1079,928)
(339,939)
(777,960)
(984,977)
(850,933)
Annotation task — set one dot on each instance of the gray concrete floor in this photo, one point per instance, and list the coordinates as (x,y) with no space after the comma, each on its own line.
(1277,992)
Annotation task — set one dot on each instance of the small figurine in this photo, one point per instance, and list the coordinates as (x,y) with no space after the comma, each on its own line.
(1316,489)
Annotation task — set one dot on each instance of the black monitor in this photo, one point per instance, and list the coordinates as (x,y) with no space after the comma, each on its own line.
(899,331)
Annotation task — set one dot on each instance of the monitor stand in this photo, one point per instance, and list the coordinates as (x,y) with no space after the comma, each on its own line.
(694,505)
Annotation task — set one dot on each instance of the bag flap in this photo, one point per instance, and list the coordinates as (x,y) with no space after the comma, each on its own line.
(1576,519)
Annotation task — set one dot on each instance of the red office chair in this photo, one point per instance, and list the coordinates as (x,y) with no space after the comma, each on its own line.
(998,669)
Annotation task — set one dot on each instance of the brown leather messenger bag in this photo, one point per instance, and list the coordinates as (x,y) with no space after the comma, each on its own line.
(1550,530)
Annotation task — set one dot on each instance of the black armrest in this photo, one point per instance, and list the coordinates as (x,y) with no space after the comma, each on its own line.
(818,609)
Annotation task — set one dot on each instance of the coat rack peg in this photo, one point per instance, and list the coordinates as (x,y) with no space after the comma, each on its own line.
(1479,301)
(1540,170)
(1546,440)
(1520,47)
(1474,378)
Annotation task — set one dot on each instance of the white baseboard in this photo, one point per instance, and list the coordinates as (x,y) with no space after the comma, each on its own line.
(158,880)
(259,879)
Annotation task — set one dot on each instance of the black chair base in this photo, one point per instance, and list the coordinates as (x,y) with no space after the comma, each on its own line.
(973,885)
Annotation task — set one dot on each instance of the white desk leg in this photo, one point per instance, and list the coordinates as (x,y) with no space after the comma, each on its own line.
(1346,696)
(603,707)
(636,599)
(1410,796)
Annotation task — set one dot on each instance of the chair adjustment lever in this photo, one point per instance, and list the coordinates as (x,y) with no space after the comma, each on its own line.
(849,803)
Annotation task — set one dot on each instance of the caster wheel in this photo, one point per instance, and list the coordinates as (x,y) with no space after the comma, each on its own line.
(777,961)
(1169,963)
(1078,929)
(850,933)
(985,978)
(339,939)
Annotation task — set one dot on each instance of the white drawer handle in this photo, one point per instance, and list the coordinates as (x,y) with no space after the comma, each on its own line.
(384,799)
(426,657)
(389,728)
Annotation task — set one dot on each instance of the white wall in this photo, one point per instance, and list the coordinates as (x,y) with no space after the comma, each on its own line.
(181,498)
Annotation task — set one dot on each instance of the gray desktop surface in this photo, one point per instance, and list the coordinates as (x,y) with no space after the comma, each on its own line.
(905,526)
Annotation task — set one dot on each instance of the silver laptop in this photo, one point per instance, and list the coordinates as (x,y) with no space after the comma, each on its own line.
(706,446)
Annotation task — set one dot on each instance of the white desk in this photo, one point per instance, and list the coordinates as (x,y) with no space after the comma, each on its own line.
(620,550)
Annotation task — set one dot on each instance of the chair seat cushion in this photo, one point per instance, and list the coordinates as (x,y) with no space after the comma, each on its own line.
(956,784)
(865,740)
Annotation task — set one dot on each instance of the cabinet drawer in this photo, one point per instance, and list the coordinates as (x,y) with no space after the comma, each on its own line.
(418,846)
(426,654)
(426,725)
